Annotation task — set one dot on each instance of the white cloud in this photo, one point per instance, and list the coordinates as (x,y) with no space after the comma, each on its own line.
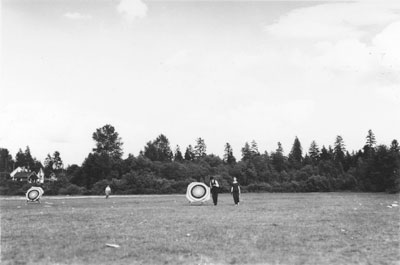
(77,16)
(387,43)
(333,21)
(132,9)
(349,55)
(341,45)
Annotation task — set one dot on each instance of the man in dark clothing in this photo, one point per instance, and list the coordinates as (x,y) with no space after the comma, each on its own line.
(235,190)
(214,190)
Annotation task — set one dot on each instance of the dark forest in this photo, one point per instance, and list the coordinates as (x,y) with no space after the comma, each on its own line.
(160,169)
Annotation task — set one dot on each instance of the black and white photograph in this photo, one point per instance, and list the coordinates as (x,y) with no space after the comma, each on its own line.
(199,132)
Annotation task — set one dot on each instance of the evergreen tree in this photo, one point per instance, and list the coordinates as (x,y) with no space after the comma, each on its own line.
(249,152)
(200,148)
(278,159)
(392,180)
(325,154)
(394,147)
(339,149)
(371,139)
(189,154)
(29,159)
(369,147)
(314,153)
(24,159)
(178,154)
(254,149)
(307,160)
(48,165)
(381,169)
(280,148)
(348,161)
(246,152)
(6,161)
(57,161)
(228,155)
(295,155)
(330,152)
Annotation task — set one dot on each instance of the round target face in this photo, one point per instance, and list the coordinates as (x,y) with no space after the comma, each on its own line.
(33,194)
(198,192)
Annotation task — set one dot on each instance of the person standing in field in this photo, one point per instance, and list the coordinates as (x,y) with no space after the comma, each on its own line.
(108,191)
(235,190)
(214,190)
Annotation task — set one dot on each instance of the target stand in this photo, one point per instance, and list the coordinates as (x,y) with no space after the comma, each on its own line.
(34,194)
(197,192)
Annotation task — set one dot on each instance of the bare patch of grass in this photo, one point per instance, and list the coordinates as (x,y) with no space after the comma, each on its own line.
(313,228)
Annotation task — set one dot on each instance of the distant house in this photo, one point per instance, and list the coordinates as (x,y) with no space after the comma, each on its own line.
(30,177)
(23,174)
(17,170)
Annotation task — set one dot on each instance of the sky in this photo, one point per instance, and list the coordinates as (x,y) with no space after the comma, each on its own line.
(225,71)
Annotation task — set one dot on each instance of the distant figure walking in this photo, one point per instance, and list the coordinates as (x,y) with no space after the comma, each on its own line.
(235,190)
(108,191)
(214,189)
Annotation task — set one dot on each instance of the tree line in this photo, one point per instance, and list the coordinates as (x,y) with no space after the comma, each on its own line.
(159,169)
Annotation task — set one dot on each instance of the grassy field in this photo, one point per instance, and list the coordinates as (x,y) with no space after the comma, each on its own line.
(312,228)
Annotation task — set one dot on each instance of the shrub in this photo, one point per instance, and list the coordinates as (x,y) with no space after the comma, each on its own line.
(10,187)
(71,189)
(348,182)
(318,183)
(277,187)
(180,186)
(99,186)
(258,187)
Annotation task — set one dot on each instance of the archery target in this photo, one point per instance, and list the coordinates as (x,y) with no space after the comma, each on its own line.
(34,194)
(198,192)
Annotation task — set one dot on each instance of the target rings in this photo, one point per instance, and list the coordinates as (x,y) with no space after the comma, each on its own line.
(34,194)
(198,192)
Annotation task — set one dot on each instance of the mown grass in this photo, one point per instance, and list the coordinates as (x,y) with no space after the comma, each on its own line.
(312,228)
